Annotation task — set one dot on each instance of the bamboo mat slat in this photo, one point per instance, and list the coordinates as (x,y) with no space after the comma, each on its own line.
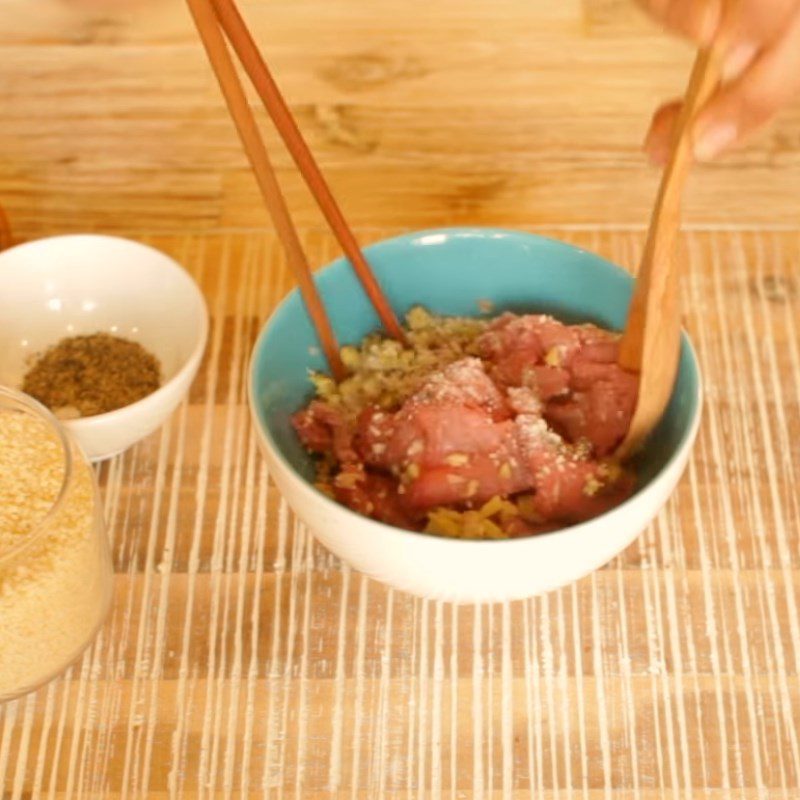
(242,660)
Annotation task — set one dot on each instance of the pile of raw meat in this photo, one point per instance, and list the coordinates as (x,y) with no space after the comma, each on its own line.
(530,415)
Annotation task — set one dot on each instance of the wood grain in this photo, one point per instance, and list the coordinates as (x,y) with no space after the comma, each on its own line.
(242,660)
(420,113)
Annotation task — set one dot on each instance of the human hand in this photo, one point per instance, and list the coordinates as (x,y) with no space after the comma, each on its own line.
(759,41)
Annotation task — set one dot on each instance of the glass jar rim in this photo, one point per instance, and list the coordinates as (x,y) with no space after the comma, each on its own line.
(36,409)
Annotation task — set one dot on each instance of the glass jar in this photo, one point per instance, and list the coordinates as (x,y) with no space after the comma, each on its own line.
(55,566)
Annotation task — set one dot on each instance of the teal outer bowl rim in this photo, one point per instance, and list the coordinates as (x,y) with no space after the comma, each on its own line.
(328,272)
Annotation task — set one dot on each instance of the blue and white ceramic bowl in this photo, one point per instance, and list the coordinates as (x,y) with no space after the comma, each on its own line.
(449,272)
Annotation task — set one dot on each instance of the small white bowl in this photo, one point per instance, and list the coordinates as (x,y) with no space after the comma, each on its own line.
(83,284)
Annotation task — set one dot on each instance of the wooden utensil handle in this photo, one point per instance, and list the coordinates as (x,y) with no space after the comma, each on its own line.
(703,81)
(665,221)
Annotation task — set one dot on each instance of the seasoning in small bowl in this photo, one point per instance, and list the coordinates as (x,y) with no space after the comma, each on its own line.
(82,376)
(85,284)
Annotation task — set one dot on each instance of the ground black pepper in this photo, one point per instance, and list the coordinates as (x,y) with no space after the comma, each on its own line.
(88,375)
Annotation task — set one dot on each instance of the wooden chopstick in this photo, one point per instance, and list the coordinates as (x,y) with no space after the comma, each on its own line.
(246,49)
(221,62)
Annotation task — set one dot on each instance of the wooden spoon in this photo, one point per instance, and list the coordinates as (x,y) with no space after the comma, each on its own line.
(651,341)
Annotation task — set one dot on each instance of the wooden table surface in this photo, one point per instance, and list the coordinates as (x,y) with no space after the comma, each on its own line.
(240,658)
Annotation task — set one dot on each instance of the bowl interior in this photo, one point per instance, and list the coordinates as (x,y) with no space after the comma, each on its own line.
(69,285)
(451,272)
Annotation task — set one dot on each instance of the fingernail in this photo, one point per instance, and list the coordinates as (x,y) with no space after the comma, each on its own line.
(711,142)
(738,60)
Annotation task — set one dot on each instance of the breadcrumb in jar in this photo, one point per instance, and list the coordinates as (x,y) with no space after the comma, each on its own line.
(54,573)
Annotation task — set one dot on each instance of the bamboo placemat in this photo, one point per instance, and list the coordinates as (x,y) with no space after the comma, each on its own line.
(242,659)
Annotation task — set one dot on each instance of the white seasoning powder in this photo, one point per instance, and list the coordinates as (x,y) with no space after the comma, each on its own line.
(54,591)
